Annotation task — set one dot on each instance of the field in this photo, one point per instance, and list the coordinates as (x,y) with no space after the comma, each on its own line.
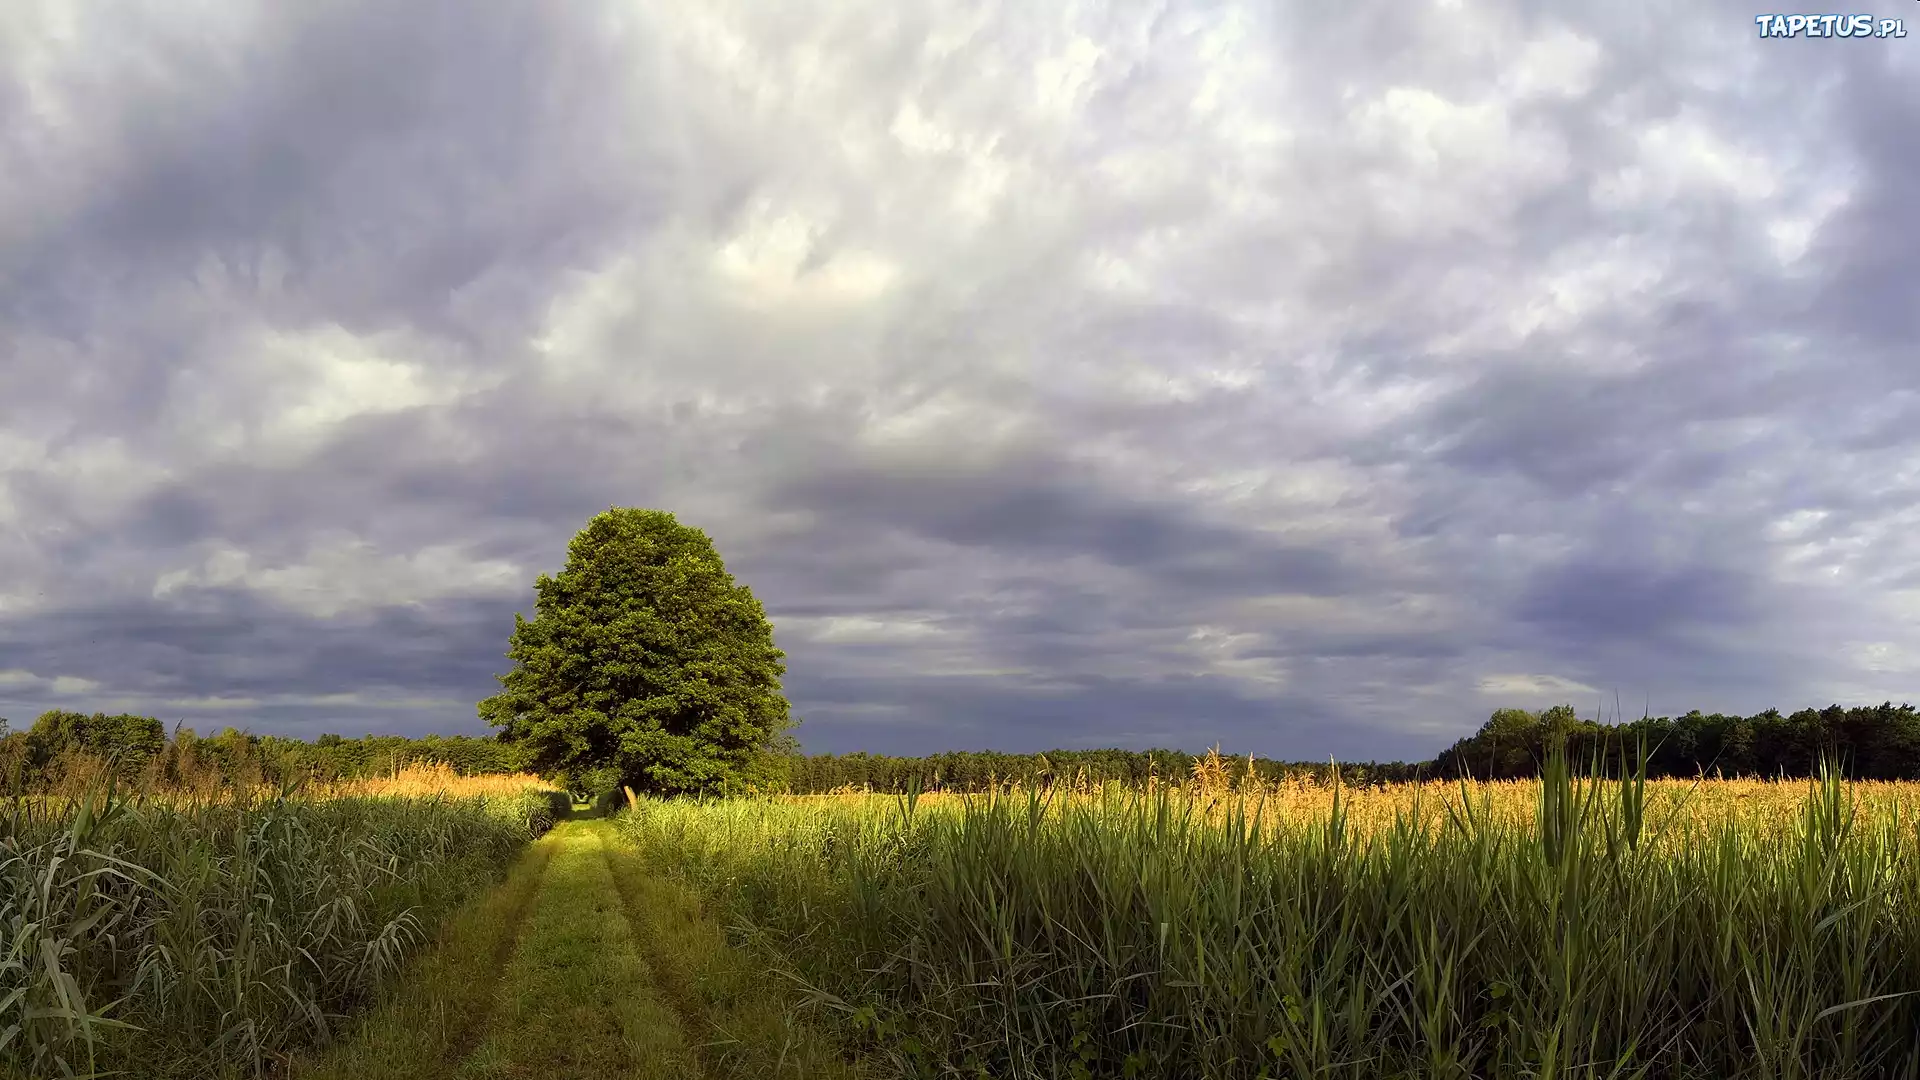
(204,937)
(398,927)
(1553,928)
(404,927)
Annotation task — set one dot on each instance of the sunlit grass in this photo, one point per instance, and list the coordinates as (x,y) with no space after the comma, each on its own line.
(1562,927)
(419,780)
(583,965)
(208,937)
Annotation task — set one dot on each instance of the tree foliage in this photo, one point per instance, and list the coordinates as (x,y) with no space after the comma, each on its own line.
(985,770)
(1880,742)
(644,662)
(68,750)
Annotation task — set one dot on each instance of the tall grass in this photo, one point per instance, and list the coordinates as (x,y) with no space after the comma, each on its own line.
(438,778)
(1567,927)
(180,937)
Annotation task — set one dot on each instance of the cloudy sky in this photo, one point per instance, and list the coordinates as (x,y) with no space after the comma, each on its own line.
(1308,378)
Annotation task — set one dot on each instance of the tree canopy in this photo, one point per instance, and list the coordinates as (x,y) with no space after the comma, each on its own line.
(644,664)
(1880,742)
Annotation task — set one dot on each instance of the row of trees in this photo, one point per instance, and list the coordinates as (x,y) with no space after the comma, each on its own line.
(1880,742)
(64,746)
(965,771)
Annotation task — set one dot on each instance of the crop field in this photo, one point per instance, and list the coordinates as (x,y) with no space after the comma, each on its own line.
(399,927)
(189,937)
(405,927)
(1562,927)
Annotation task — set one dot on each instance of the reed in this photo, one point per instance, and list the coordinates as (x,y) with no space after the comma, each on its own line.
(1571,926)
(436,778)
(209,937)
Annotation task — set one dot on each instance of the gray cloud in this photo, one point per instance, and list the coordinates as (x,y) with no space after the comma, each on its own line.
(1307,382)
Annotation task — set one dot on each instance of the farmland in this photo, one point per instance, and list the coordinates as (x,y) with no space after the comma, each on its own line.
(186,936)
(1557,927)
(1212,926)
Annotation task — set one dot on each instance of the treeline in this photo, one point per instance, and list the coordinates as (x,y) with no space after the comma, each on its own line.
(65,748)
(1880,742)
(974,771)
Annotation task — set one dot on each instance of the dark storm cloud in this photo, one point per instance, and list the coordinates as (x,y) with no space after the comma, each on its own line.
(389,155)
(1007,509)
(231,640)
(1596,601)
(1304,382)
(880,716)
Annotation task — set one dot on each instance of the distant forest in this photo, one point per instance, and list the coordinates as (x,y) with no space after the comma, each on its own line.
(964,770)
(65,749)
(1879,742)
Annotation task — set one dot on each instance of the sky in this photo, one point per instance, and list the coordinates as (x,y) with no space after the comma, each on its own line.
(1308,379)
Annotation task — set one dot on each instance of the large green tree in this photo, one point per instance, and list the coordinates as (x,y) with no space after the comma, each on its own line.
(646,662)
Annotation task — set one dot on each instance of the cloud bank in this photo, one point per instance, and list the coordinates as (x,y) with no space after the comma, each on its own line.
(1306,381)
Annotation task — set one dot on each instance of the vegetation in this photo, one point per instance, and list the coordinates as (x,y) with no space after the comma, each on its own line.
(981,771)
(582,966)
(1068,914)
(644,665)
(1878,743)
(1563,927)
(201,938)
(438,1013)
(575,998)
(69,752)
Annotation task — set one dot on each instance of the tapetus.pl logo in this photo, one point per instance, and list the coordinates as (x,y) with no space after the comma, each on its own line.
(1829,26)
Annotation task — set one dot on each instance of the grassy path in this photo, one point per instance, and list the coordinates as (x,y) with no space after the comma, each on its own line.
(582,966)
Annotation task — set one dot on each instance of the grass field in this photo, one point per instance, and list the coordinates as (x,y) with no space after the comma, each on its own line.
(405,928)
(1556,928)
(583,966)
(175,937)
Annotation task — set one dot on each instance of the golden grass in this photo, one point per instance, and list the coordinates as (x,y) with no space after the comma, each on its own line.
(1676,809)
(434,779)
(1668,929)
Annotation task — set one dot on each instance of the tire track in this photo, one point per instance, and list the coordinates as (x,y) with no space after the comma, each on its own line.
(740,1026)
(577,1001)
(439,1011)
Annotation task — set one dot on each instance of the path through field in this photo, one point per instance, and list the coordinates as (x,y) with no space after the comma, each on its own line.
(582,965)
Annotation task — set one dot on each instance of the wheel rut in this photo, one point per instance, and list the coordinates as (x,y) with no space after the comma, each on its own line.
(439,1011)
(584,966)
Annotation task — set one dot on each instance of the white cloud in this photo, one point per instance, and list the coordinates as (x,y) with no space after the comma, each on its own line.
(65,685)
(1558,64)
(343,573)
(1687,157)
(865,629)
(1220,652)
(1530,688)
